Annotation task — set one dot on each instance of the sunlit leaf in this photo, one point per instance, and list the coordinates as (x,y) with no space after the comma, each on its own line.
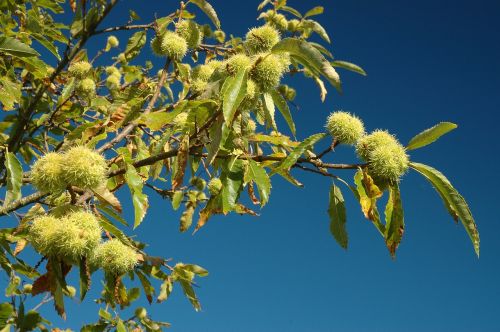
(456,204)
(337,213)
(430,135)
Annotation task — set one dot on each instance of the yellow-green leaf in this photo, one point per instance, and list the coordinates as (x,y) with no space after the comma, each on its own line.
(455,203)
(337,213)
(430,135)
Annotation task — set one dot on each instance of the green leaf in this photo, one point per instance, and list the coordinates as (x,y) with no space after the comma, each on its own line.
(292,158)
(259,175)
(282,105)
(318,28)
(84,278)
(349,66)
(208,10)
(310,57)
(165,289)
(6,311)
(292,11)
(30,321)
(146,285)
(337,213)
(456,204)
(57,286)
(14,47)
(269,110)
(234,90)
(315,11)
(430,135)
(394,220)
(120,327)
(14,178)
(135,44)
(47,44)
(177,199)
(232,184)
(263,4)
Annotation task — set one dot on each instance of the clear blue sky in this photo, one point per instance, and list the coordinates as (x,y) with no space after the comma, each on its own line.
(427,61)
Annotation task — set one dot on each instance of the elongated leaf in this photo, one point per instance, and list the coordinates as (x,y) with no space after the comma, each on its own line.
(292,158)
(15,47)
(349,66)
(292,11)
(269,110)
(234,90)
(282,105)
(232,184)
(318,28)
(263,4)
(315,11)
(14,178)
(337,213)
(430,135)
(135,44)
(394,220)
(208,10)
(310,57)
(165,290)
(139,199)
(259,175)
(182,159)
(84,278)
(456,204)
(146,285)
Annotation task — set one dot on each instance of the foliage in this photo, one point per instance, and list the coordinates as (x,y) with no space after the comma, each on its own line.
(201,132)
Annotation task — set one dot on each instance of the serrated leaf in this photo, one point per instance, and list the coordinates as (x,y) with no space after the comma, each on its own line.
(232,184)
(318,28)
(291,159)
(430,135)
(394,220)
(135,44)
(14,178)
(259,175)
(120,326)
(282,106)
(146,285)
(107,197)
(139,199)
(15,47)
(337,213)
(234,91)
(310,57)
(456,204)
(84,278)
(208,10)
(315,11)
(269,110)
(349,66)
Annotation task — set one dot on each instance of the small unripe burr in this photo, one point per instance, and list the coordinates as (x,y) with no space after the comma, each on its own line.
(344,127)
(170,45)
(86,87)
(261,39)
(79,69)
(112,42)
(268,70)
(79,236)
(214,186)
(190,31)
(84,168)
(237,62)
(46,173)
(115,258)
(43,234)
(388,162)
(141,313)
(368,143)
